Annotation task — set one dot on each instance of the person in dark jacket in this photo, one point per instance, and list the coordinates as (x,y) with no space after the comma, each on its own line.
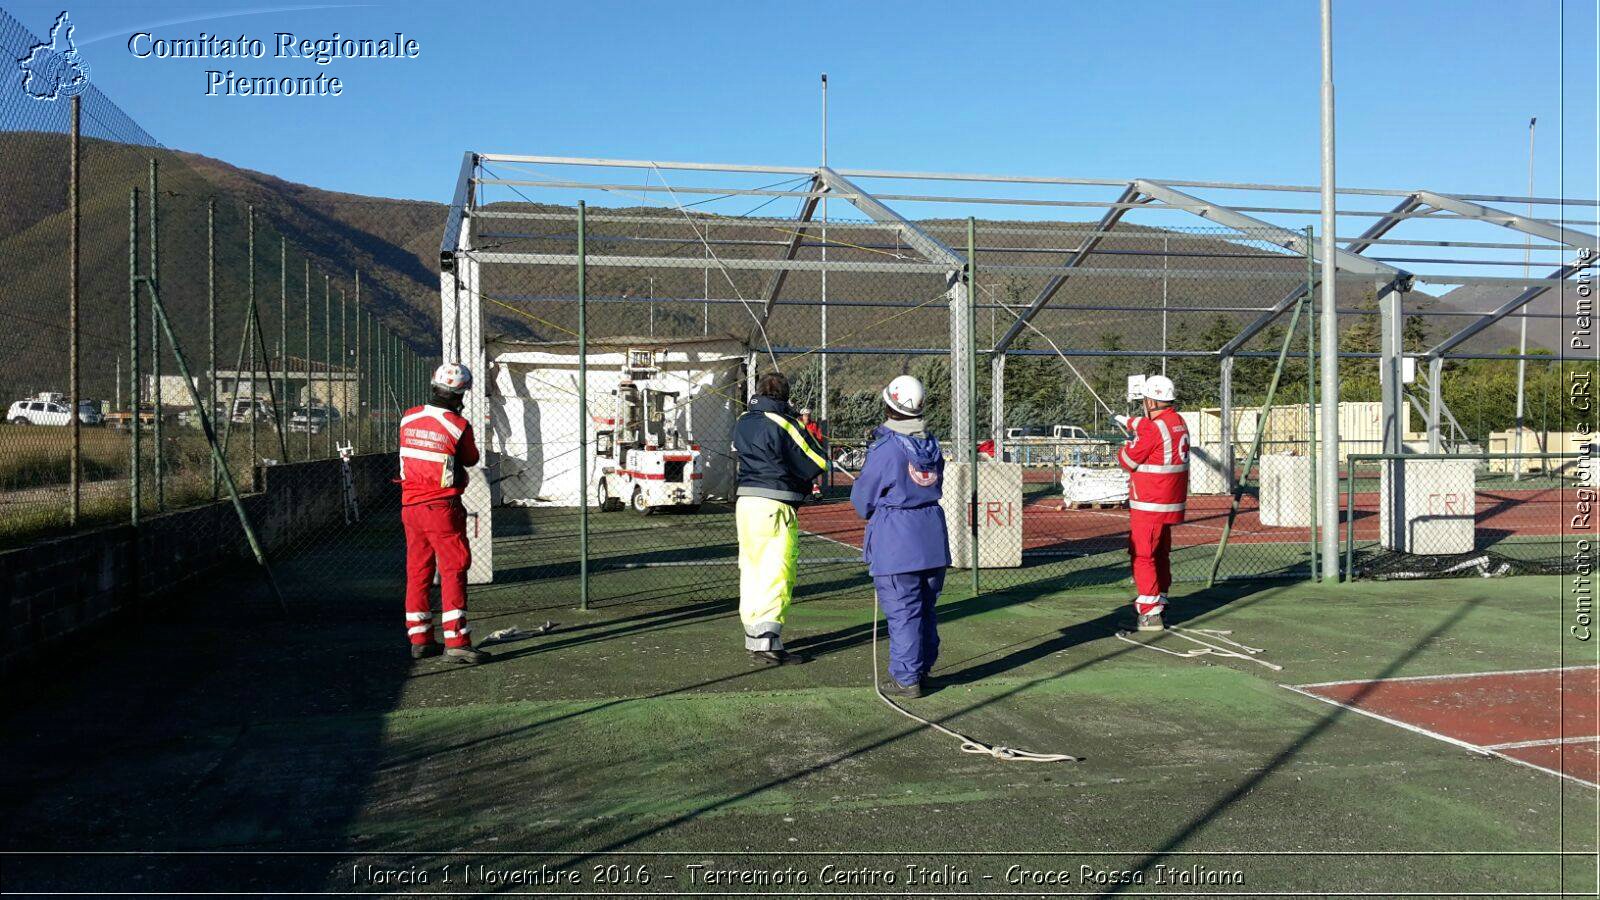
(778,461)
(907,547)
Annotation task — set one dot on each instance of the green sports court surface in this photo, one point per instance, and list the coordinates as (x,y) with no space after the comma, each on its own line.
(223,747)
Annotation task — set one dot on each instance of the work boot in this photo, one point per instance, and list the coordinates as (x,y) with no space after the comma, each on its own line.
(423,651)
(776,658)
(466,656)
(912,691)
(1151,622)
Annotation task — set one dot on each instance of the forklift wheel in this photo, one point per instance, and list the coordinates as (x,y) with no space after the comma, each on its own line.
(604,500)
(639,506)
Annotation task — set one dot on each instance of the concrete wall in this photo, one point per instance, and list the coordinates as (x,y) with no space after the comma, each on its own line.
(58,588)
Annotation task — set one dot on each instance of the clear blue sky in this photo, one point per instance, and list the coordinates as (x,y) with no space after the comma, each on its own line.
(1434,94)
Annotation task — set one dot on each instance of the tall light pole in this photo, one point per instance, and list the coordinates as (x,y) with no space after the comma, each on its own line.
(1522,316)
(1328,468)
(822,404)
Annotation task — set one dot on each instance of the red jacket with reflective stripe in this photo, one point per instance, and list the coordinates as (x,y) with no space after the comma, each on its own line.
(436,446)
(1158,462)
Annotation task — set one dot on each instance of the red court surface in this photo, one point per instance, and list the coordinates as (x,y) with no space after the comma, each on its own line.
(1048,526)
(1548,719)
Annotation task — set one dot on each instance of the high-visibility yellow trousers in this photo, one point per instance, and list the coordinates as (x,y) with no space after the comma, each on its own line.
(769,549)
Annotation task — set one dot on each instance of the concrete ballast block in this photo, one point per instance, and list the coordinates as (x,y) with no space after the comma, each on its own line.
(1285,494)
(999,514)
(1428,506)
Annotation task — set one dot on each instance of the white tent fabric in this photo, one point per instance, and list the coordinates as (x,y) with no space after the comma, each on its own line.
(534,417)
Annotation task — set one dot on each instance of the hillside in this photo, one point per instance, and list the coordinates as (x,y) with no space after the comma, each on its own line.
(1546,334)
(393,243)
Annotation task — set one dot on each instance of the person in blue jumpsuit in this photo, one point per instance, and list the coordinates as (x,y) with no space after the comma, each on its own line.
(907,548)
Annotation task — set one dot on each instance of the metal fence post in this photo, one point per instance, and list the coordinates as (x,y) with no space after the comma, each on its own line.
(1303,304)
(311,395)
(266,363)
(283,344)
(153,281)
(388,380)
(1311,405)
(377,382)
(972,387)
(134,393)
(1350,525)
(344,371)
(250,328)
(75,502)
(1225,435)
(380,336)
(245,334)
(158,460)
(327,363)
(583,408)
(211,330)
(361,372)
(1435,403)
(216,450)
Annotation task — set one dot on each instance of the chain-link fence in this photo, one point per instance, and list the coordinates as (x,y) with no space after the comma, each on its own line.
(616,348)
(178,332)
(286,362)
(665,317)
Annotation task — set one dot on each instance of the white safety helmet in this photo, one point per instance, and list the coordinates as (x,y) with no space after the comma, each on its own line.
(904,396)
(453,377)
(1159,387)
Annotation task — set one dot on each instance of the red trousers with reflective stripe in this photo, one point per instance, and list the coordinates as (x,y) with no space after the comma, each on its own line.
(436,534)
(1150,545)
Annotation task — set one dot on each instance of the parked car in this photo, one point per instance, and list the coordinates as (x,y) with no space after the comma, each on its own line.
(89,412)
(190,417)
(1050,445)
(45,409)
(313,419)
(1028,431)
(51,409)
(246,410)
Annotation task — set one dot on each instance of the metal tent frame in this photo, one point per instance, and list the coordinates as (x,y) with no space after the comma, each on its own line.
(463,321)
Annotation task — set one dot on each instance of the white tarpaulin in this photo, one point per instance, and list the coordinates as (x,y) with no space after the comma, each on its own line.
(1081,484)
(535,420)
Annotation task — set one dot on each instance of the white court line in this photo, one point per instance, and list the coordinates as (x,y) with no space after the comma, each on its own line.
(1417,729)
(1123,517)
(1452,675)
(1548,742)
(833,540)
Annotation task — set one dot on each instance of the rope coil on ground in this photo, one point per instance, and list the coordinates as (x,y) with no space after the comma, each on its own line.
(968,745)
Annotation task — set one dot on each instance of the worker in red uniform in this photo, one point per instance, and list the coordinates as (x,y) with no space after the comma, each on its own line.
(1157,462)
(814,428)
(436,447)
